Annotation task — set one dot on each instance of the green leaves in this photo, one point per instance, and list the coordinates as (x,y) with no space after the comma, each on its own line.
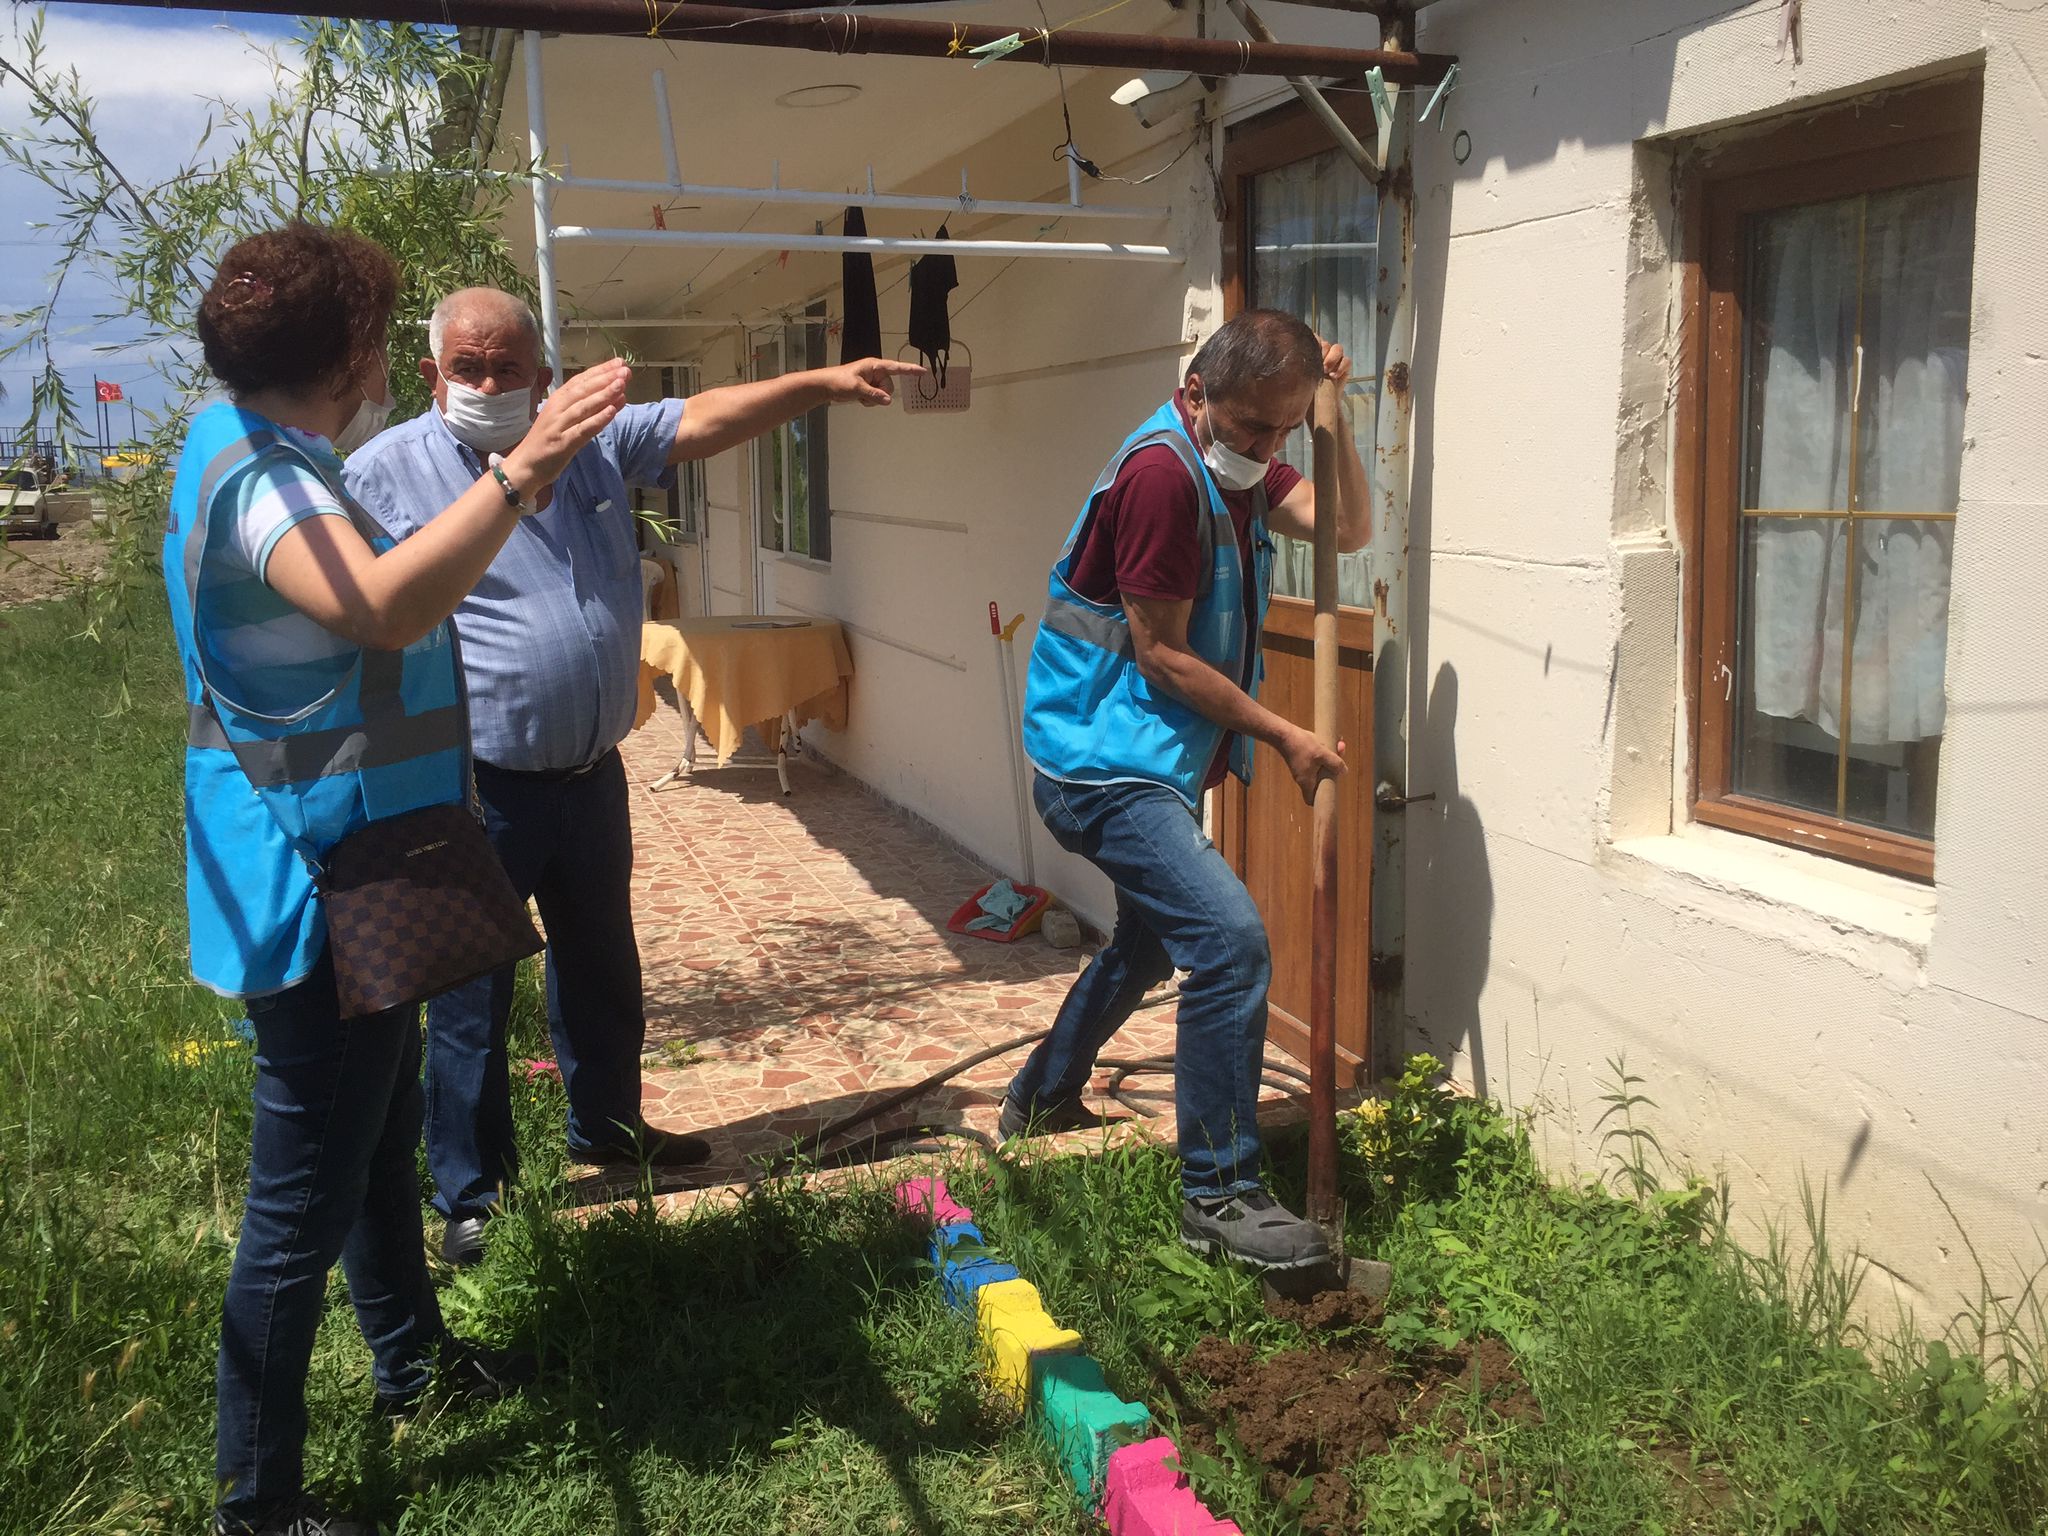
(365,129)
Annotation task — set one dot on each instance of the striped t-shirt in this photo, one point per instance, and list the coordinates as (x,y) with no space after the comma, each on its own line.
(264,656)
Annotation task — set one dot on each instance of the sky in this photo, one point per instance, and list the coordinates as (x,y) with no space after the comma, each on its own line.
(150,72)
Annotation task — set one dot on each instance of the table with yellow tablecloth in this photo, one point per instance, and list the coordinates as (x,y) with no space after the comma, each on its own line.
(746,670)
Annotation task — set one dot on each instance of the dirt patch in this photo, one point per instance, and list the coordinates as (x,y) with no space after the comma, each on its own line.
(1312,1412)
(1700,1489)
(34,570)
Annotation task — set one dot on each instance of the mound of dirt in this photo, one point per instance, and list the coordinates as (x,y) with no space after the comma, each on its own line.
(35,570)
(1311,1412)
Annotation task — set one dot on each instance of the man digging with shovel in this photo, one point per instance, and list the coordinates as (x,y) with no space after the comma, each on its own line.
(1143,694)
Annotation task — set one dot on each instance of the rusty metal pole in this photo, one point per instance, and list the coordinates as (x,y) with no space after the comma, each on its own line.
(1323,1206)
(1312,98)
(857,31)
(1394,342)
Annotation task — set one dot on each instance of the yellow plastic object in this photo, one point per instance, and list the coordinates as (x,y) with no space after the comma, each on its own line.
(1015,1330)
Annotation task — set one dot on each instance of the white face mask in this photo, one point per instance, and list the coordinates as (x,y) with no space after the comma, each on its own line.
(367,422)
(487,423)
(1233,470)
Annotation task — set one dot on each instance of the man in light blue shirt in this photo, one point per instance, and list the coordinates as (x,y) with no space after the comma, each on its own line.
(551,655)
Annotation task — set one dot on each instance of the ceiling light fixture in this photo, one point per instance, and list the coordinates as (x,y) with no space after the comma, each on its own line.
(818,95)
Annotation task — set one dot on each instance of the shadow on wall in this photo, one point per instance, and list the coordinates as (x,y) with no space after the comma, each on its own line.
(1458,878)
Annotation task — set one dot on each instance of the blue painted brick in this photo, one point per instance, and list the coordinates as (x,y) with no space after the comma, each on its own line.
(963,1277)
(950,1236)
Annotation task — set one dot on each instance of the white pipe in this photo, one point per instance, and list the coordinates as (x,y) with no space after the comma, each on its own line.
(1324,247)
(543,207)
(668,128)
(917,203)
(758,240)
(694,322)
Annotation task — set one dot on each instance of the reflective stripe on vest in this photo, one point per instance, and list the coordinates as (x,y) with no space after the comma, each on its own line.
(391,735)
(1090,716)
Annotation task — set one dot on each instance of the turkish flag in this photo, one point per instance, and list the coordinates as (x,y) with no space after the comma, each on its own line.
(106,391)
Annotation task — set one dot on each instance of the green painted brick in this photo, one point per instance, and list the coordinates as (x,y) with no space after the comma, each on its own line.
(1084,1421)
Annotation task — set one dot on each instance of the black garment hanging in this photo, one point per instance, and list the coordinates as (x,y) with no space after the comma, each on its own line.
(860,332)
(931,329)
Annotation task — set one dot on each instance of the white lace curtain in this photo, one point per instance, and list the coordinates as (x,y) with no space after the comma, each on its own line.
(1313,227)
(1906,255)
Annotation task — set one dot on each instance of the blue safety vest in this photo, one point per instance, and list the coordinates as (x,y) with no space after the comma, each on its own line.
(266,796)
(1090,716)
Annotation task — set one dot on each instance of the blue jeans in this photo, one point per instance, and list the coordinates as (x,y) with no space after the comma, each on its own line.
(331,1175)
(568,843)
(1178,907)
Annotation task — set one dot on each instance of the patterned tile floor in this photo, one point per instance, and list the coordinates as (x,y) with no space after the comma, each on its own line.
(798,965)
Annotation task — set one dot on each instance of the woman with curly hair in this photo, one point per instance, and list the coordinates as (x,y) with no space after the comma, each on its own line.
(324,695)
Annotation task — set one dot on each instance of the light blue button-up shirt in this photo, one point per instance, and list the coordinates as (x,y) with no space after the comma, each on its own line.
(551,635)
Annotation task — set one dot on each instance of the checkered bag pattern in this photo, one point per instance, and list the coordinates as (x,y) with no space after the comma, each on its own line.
(417,905)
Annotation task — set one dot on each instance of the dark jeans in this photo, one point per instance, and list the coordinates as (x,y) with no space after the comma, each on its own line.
(568,843)
(1178,906)
(331,1175)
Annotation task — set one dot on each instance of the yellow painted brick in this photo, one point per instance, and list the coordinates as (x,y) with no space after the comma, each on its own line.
(1015,1329)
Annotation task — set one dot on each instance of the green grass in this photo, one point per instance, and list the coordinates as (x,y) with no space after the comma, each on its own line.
(785,1365)
(1686,1384)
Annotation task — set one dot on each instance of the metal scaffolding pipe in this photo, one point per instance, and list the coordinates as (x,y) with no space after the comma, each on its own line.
(1394,332)
(543,208)
(854,31)
(1313,99)
(765,240)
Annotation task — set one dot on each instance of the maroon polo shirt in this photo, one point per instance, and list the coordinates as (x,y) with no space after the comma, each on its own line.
(1141,539)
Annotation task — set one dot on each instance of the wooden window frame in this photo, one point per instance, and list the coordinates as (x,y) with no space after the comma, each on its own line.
(1904,137)
(1273,139)
(808,354)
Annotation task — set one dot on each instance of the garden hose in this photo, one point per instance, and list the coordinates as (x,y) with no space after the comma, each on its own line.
(811,1148)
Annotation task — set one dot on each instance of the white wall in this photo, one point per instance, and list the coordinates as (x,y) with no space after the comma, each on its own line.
(1794,1019)
(937,515)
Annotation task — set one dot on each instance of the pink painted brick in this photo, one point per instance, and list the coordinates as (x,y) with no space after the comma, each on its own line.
(1143,1496)
(928,1198)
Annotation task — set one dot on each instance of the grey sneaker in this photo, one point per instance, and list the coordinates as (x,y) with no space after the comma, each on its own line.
(1044,1119)
(301,1516)
(1254,1229)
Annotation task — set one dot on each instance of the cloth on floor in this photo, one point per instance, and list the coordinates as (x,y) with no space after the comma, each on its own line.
(1001,905)
(931,329)
(860,331)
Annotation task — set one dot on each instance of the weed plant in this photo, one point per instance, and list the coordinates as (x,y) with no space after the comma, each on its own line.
(784,1365)
(1686,1384)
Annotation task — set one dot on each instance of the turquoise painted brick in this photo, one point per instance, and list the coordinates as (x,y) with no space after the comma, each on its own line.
(1084,1421)
(961,1278)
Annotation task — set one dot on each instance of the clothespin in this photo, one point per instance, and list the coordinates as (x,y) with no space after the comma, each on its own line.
(660,217)
(1789,32)
(1438,98)
(1382,105)
(988,53)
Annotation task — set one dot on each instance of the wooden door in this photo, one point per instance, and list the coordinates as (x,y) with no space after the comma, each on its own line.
(1299,236)
(1264,831)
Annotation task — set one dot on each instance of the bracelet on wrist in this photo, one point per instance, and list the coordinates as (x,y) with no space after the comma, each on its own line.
(513,499)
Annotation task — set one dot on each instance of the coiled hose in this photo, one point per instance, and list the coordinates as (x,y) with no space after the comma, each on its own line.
(1282,1075)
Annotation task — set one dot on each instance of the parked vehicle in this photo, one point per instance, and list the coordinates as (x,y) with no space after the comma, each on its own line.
(23,514)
